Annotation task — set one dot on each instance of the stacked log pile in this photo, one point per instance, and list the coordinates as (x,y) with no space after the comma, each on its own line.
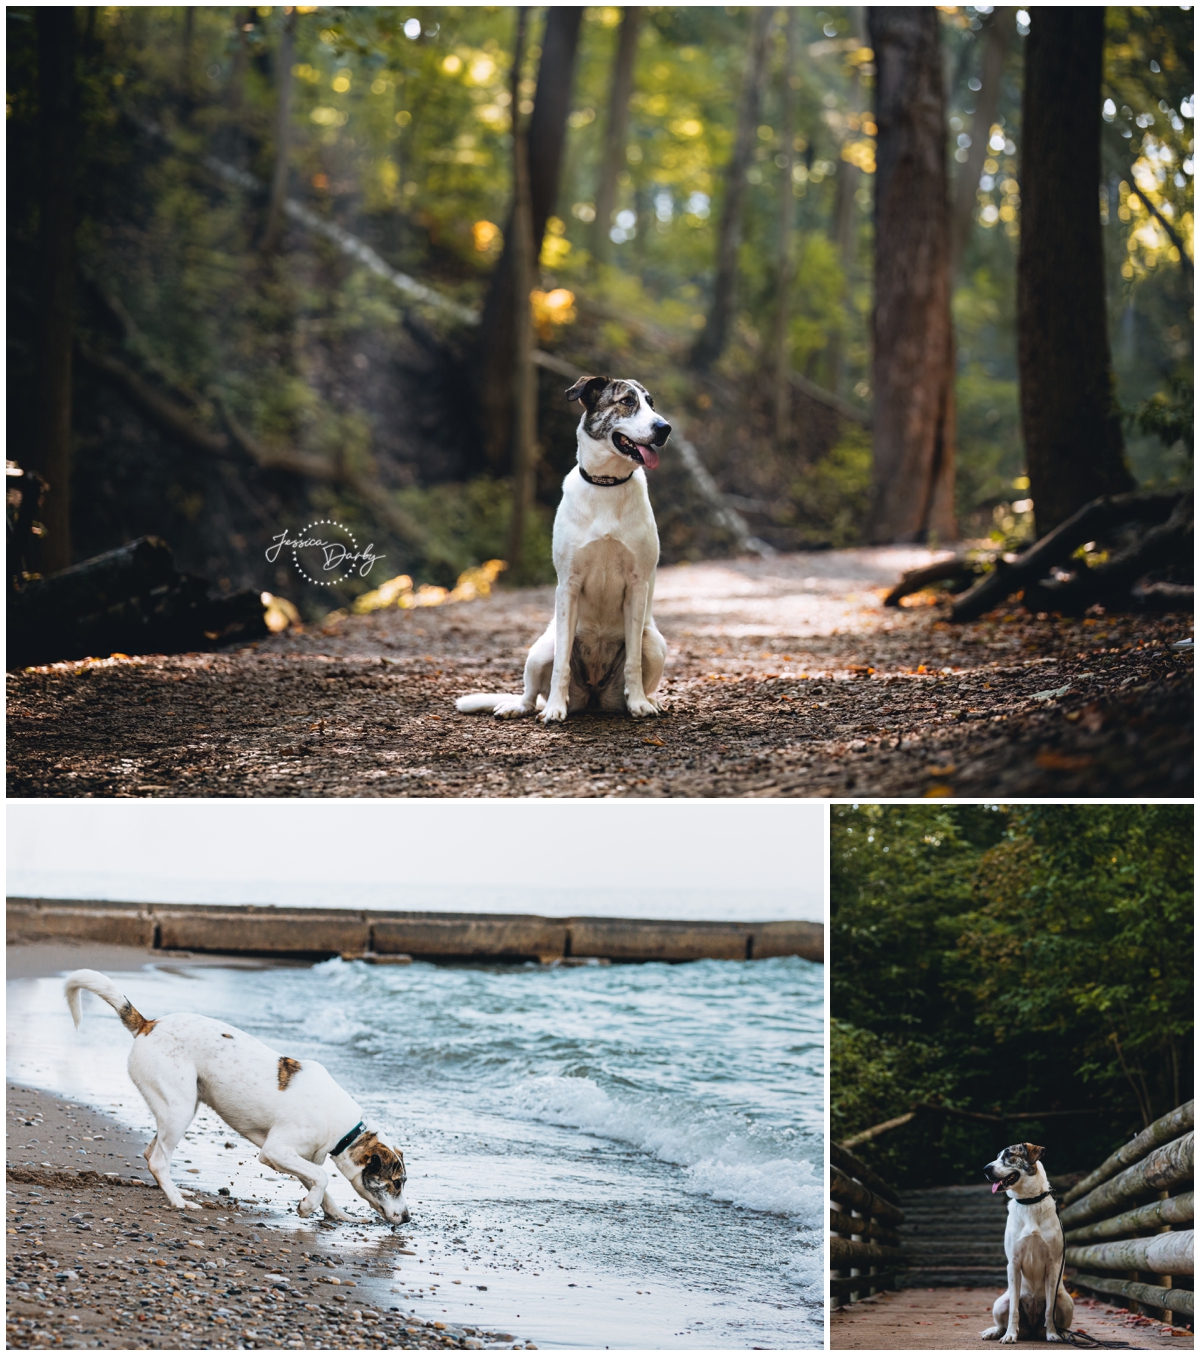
(1129,1225)
(864,1245)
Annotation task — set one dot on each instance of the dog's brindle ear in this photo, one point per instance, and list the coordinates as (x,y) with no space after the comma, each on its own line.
(1035,1151)
(587,390)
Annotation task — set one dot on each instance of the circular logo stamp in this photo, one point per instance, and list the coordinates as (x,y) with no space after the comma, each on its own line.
(324,552)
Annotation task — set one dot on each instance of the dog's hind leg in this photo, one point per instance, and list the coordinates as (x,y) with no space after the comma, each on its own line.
(333,1210)
(999,1320)
(173,1106)
(1064,1309)
(283,1158)
(654,656)
(539,664)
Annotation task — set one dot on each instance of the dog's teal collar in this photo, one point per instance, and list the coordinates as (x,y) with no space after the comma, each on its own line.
(347,1140)
(1032,1200)
(606,480)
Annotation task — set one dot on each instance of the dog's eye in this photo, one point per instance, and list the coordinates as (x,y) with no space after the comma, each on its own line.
(629,400)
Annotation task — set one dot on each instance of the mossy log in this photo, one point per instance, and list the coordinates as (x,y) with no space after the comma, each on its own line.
(1160,1170)
(1165,1254)
(857,1197)
(847,1252)
(853,1166)
(1162,1131)
(1146,1218)
(869,1229)
(1178,1301)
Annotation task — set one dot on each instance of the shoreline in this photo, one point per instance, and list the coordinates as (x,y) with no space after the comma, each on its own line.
(233,1275)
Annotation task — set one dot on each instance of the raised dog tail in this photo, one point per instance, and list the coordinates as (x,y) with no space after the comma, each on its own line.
(103,987)
(480,701)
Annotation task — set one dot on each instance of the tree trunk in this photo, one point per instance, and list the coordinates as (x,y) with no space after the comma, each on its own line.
(710,343)
(1073,444)
(524,424)
(995,49)
(614,135)
(1157,1215)
(1160,1170)
(912,494)
(1166,1128)
(845,237)
(1173,1253)
(546,136)
(283,134)
(785,270)
(59,132)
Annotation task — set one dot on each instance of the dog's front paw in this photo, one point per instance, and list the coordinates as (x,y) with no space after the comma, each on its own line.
(1053,1337)
(338,1216)
(553,711)
(991,1334)
(640,707)
(305,1208)
(192,1205)
(1009,1337)
(510,708)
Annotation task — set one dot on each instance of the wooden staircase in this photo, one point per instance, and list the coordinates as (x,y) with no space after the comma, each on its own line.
(954,1236)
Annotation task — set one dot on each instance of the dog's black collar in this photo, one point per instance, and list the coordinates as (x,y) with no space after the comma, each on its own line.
(347,1140)
(606,480)
(1032,1200)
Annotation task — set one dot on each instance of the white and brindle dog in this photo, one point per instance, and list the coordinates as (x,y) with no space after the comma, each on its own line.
(602,645)
(293,1111)
(1036,1303)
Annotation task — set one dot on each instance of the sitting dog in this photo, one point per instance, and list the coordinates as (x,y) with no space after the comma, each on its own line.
(602,644)
(1036,1303)
(293,1111)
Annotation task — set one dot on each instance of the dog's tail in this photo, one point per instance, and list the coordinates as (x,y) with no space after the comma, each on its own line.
(480,701)
(103,987)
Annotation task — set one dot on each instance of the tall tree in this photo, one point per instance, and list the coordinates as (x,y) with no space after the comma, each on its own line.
(524,424)
(785,268)
(1073,444)
(711,341)
(546,137)
(284,84)
(845,236)
(58,115)
(912,491)
(614,134)
(998,32)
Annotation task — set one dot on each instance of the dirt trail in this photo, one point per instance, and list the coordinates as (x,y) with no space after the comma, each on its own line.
(951,1320)
(786,677)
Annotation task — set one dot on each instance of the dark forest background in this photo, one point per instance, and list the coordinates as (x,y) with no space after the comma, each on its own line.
(999,959)
(208,354)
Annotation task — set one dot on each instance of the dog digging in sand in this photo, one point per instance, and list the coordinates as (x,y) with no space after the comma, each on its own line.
(1036,1303)
(601,646)
(293,1111)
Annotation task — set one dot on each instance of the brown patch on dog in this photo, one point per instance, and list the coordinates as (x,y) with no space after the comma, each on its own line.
(134,1021)
(226,1036)
(1034,1152)
(376,1160)
(288,1069)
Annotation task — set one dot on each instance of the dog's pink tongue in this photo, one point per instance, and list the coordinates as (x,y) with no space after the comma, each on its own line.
(995,1188)
(649,456)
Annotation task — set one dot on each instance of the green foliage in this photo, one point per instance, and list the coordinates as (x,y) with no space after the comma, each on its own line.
(1034,958)
(832,494)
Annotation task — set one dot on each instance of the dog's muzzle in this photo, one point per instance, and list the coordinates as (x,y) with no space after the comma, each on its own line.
(1000,1182)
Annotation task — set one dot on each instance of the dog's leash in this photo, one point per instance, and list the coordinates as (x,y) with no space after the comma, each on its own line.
(1073,1336)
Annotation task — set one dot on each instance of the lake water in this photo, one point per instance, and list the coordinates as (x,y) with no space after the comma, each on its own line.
(626,1156)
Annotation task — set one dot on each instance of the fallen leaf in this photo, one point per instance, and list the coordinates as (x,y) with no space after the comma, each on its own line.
(948,771)
(935,791)
(659,743)
(1054,761)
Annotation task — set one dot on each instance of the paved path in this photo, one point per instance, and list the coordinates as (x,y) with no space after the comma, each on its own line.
(952,1319)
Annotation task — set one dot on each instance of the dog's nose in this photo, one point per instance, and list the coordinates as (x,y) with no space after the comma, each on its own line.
(662,431)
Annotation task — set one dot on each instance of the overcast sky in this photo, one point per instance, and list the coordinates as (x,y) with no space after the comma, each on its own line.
(647,858)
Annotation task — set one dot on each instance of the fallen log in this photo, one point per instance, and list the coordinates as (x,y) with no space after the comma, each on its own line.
(1145,1219)
(1092,521)
(1178,1301)
(857,1197)
(848,1252)
(1171,1254)
(959,572)
(1161,1131)
(1160,1170)
(131,600)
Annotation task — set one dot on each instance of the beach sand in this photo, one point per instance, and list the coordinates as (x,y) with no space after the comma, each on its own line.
(97,1258)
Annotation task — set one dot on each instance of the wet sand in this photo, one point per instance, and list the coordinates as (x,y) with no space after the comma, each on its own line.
(97,1258)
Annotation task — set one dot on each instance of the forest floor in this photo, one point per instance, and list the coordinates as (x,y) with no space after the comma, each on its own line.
(951,1319)
(786,677)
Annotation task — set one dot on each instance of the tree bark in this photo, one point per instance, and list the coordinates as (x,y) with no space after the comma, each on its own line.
(1157,1215)
(995,49)
(546,137)
(785,268)
(844,234)
(858,1197)
(1073,444)
(710,343)
(524,424)
(59,134)
(1166,1128)
(1160,1170)
(1172,1253)
(912,494)
(283,134)
(614,134)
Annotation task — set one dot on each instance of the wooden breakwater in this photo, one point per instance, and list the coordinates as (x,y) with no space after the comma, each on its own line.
(313,934)
(1129,1225)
